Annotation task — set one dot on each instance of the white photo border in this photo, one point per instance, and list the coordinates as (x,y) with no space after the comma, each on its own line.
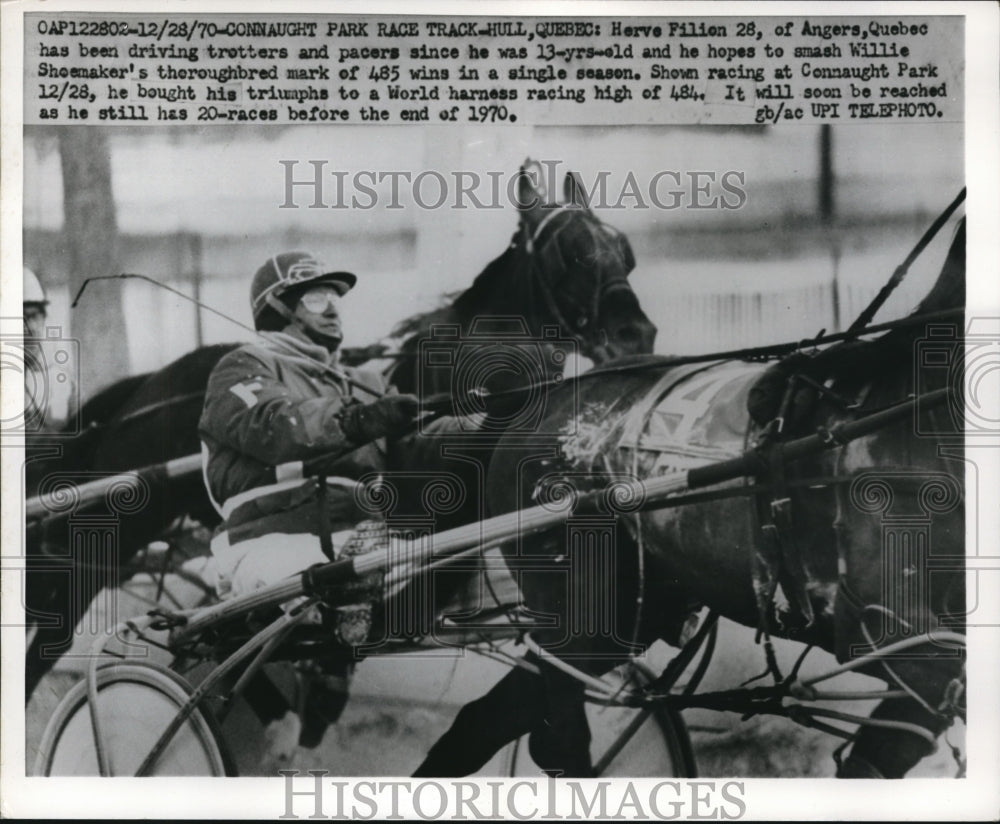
(976,797)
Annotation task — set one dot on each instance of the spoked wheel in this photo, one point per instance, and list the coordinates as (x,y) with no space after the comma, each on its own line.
(626,742)
(137,700)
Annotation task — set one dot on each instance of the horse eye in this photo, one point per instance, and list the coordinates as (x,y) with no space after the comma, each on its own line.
(581,321)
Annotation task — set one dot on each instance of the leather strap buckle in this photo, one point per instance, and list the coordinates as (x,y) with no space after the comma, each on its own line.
(779,506)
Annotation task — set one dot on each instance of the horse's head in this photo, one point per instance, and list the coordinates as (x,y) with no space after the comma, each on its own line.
(579,269)
(563,268)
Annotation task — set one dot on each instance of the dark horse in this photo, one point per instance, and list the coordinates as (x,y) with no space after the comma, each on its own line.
(851,536)
(561,284)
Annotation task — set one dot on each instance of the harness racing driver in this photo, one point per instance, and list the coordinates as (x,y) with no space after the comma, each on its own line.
(279,401)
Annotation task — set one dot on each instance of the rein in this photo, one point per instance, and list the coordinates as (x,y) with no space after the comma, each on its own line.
(758,353)
(337,373)
(897,276)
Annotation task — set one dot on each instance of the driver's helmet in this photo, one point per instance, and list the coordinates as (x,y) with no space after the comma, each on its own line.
(281,278)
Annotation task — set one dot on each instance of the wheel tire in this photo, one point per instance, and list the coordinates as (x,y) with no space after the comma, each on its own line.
(137,702)
(657,747)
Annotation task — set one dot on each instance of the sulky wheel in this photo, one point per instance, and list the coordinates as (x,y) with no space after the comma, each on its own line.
(137,700)
(627,742)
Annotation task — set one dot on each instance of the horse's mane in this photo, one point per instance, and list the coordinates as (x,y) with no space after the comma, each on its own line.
(489,293)
(480,296)
(422,320)
(461,305)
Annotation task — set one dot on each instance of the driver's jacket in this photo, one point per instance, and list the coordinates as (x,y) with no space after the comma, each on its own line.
(269,406)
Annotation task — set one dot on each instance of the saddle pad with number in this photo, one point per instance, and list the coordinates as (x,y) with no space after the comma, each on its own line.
(692,416)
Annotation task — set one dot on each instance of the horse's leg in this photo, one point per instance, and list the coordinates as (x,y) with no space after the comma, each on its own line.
(884,753)
(48,591)
(560,744)
(891,753)
(514,707)
(886,595)
(325,685)
(267,702)
(560,740)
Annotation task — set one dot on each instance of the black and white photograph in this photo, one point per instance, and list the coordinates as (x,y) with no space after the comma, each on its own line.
(558,411)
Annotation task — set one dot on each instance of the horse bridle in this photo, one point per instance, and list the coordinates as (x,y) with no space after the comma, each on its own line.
(538,252)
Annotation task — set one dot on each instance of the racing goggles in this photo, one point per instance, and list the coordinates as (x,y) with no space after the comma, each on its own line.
(320,298)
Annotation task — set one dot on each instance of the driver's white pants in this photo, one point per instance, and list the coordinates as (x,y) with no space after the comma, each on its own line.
(258,562)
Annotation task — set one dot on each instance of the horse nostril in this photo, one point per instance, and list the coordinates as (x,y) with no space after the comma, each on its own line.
(628,335)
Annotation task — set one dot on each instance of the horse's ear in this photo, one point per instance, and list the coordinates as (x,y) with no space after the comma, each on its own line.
(529,195)
(628,256)
(573,191)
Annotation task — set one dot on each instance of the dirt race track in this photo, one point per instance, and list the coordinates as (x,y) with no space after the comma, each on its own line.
(400,705)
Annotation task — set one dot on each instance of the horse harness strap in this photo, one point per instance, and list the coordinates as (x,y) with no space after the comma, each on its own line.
(323,518)
(779,552)
(776,550)
(532,239)
(778,558)
(534,248)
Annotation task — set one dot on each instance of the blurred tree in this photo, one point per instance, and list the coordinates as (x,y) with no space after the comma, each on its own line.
(92,245)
